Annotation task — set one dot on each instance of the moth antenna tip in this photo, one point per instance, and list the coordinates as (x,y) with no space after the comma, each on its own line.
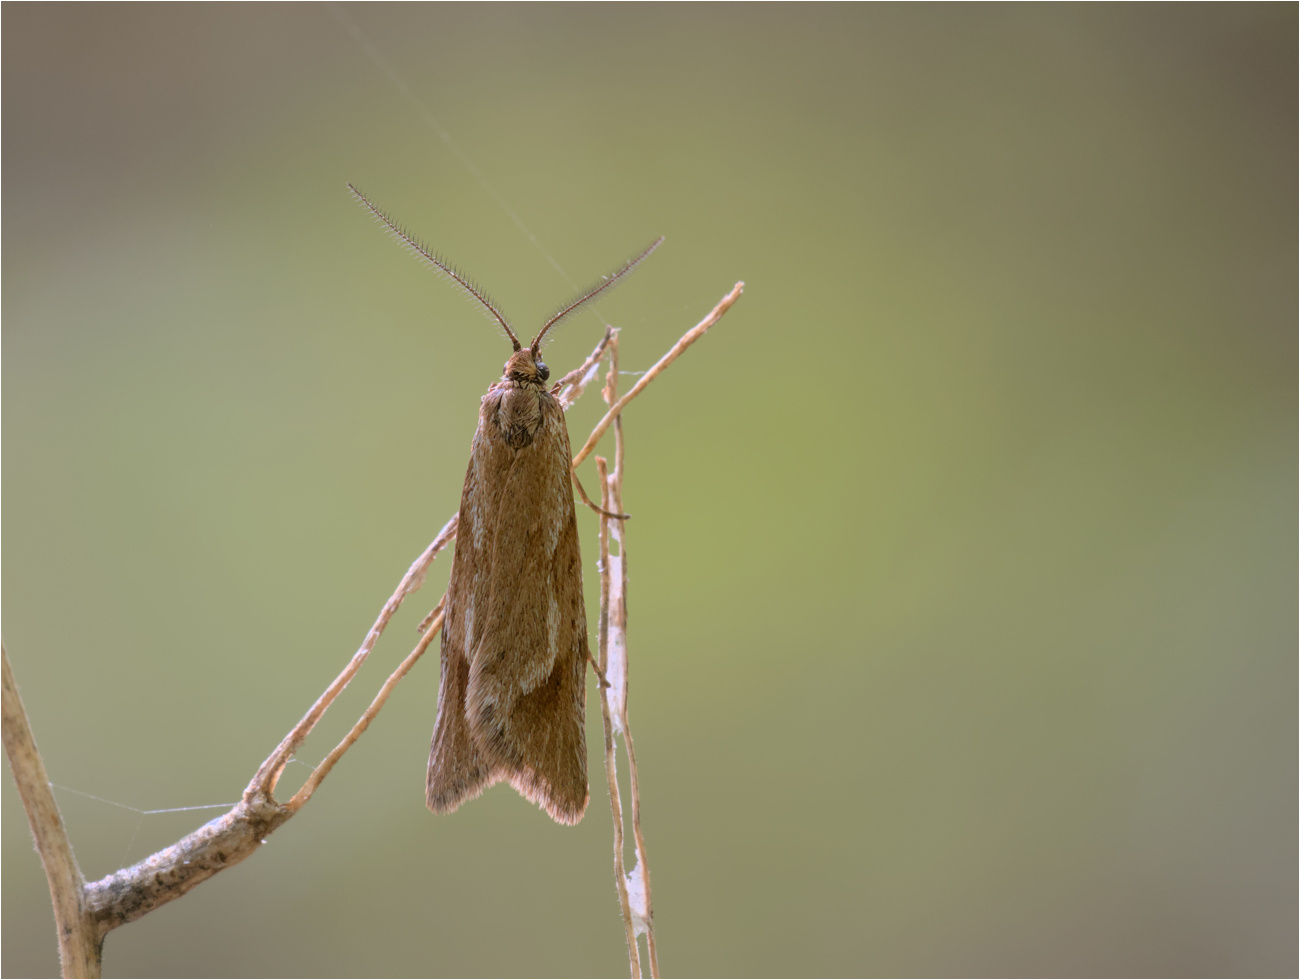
(605,283)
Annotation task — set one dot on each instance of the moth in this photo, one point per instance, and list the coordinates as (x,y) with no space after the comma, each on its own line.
(512,694)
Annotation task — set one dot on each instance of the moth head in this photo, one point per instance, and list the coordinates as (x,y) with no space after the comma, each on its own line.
(526,366)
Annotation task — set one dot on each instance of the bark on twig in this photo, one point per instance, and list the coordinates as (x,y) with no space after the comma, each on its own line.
(126,895)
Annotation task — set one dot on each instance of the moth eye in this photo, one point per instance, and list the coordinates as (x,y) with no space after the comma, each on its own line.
(543,371)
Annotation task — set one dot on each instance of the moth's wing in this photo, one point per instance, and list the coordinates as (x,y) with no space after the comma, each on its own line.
(458,770)
(544,729)
(527,683)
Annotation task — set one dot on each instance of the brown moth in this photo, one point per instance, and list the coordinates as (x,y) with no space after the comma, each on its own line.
(512,695)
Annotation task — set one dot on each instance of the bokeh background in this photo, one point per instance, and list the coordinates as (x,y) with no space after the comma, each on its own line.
(963,578)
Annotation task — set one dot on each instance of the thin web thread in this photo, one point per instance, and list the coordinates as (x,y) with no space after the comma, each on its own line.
(135,832)
(136,809)
(389,72)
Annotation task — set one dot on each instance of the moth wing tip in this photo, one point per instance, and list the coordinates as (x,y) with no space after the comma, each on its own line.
(568,811)
(445,795)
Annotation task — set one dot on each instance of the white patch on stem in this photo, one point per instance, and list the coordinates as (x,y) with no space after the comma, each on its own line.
(636,899)
(588,375)
(616,667)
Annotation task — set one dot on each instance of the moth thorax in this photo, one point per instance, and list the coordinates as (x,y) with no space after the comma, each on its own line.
(526,367)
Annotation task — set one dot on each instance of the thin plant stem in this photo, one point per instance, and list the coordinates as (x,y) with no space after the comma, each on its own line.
(80,940)
(607,720)
(618,615)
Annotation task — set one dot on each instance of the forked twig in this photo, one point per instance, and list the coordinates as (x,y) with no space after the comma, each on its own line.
(86,912)
(268,774)
(129,893)
(431,627)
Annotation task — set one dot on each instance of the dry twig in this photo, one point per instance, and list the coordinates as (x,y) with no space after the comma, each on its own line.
(608,693)
(80,942)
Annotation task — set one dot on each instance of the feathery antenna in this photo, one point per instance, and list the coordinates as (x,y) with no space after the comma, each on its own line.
(421,251)
(600,287)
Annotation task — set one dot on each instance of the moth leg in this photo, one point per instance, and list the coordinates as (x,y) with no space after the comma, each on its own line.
(600,674)
(428,620)
(587,500)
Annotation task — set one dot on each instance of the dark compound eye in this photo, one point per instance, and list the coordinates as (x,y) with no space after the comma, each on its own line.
(543,371)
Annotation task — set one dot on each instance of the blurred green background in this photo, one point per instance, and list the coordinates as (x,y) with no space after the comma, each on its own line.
(963,578)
